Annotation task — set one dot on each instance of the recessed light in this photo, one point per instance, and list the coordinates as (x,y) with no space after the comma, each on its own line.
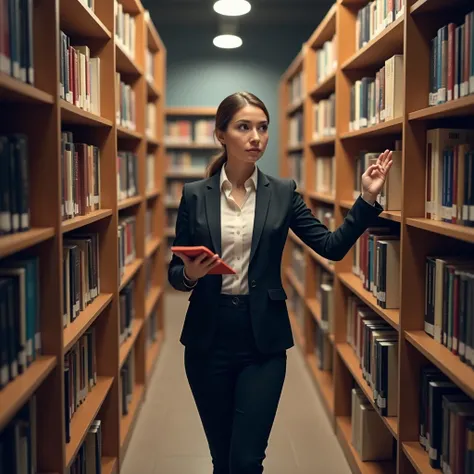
(227,41)
(232,7)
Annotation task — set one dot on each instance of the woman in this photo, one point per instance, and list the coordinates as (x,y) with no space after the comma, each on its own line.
(237,329)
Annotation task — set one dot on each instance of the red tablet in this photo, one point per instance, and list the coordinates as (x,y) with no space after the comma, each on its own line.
(221,269)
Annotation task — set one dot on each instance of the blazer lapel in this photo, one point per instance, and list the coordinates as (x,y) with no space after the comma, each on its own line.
(261,210)
(213,211)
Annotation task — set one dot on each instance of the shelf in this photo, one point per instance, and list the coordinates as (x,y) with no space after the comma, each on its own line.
(353,282)
(295,67)
(326,87)
(394,126)
(84,320)
(198,173)
(130,271)
(152,299)
(462,107)
(14,395)
(12,243)
(352,363)
(152,91)
(127,421)
(379,49)
(72,115)
(128,134)
(152,246)
(432,6)
(152,194)
(131,6)
(128,344)
(196,111)
(443,228)
(152,142)
(129,202)
(109,465)
(322,142)
(325,30)
(153,39)
(152,354)
(324,383)
(125,63)
(193,146)
(419,458)
(294,282)
(296,107)
(344,434)
(85,415)
(395,216)
(461,374)
(295,148)
(13,90)
(314,307)
(81,221)
(327,198)
(78,20)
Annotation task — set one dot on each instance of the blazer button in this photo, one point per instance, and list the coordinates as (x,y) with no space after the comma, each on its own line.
(253,283)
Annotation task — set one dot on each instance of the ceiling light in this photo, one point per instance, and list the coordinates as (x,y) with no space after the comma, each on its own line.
(232,7)
(227,41)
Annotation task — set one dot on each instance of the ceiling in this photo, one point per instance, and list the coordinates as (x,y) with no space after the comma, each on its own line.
(264,12)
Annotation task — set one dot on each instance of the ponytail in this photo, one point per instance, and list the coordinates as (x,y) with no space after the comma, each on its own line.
(216,163)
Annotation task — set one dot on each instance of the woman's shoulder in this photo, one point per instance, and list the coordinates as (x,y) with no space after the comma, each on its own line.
(280,182)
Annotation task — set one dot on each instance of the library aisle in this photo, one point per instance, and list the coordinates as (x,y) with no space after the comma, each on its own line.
(168,438)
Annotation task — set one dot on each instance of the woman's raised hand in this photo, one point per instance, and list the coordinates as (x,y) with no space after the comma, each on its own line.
(374,176)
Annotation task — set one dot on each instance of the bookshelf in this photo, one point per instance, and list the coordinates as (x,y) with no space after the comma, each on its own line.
(88,243)
(324,140)
(190,144)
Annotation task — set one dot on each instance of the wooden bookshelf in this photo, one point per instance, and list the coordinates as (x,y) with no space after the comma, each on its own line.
(40,112)
(409,34)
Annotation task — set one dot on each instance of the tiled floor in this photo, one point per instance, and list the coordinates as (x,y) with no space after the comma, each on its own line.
(168,438)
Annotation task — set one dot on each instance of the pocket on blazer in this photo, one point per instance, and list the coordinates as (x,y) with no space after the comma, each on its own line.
(277,294)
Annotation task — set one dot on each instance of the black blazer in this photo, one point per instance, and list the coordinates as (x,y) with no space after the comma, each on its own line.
(278,208)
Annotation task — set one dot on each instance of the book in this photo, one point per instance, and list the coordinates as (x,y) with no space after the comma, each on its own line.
(193,252)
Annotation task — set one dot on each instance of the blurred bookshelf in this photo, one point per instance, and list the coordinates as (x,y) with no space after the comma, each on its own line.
(190,144)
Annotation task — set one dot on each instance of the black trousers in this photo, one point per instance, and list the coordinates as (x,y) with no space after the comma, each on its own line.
(236,390)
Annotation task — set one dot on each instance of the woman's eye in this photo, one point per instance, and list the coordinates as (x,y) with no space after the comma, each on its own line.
(243,126)
(264,128)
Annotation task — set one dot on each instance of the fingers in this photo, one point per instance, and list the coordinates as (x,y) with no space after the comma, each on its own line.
(384,158)
(183,257)
(201,258)
(213,261)
(371,169)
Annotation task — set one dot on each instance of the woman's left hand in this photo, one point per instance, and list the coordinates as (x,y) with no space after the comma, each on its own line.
(374,177)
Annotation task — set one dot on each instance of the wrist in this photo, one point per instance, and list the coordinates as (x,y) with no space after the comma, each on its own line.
(189,279)
(368,197)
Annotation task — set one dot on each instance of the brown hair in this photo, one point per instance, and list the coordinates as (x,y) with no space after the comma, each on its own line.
(226,110)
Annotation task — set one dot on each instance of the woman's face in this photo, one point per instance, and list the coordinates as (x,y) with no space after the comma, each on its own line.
(246,137)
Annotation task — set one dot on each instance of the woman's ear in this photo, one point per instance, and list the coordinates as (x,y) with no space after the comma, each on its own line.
(220,137)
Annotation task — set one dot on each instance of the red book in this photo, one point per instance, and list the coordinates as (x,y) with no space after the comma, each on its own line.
(195,251)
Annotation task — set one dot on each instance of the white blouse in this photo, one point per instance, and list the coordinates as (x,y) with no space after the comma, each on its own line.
(236,233)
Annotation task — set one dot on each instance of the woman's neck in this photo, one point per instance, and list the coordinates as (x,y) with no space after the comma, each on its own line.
(238,173)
